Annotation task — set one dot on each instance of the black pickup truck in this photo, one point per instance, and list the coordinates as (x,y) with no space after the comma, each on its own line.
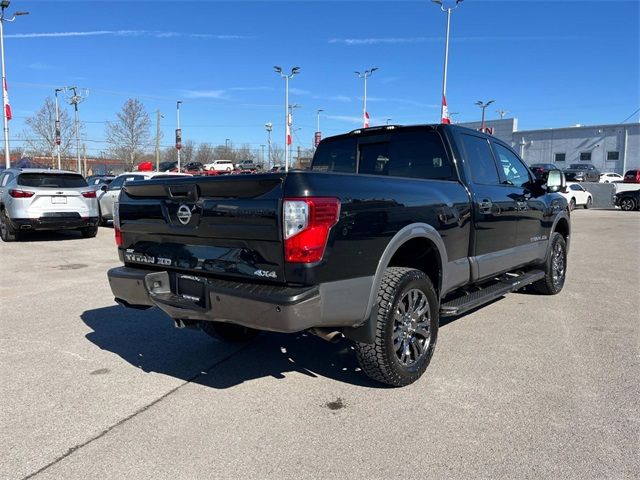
(392,228)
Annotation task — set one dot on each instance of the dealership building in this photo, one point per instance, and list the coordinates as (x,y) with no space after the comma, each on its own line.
(611,148)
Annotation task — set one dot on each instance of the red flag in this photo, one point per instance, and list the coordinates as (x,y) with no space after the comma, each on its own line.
(445,111)
(288,134)
(5,97)
(366,119)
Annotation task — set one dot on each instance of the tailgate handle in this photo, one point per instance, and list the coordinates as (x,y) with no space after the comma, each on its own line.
(183,192)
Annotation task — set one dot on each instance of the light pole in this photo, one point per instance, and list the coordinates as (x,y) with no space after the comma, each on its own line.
(365,75)
(262,154)
(75,99)
(178,132)
(6,112)
(444,113)
(388,120)
(318,135)
(158,117)
(483,106)
(287,120)
(58,138)
(227,141)
(291,129)
(502,113)
(269,127)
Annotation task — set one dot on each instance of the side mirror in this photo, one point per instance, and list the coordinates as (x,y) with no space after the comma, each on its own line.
(556,181)
(104,188)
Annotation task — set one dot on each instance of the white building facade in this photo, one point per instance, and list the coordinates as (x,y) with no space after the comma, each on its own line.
(611,148)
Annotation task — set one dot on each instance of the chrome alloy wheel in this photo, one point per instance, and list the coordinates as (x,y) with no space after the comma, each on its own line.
(557,265)
(411,335)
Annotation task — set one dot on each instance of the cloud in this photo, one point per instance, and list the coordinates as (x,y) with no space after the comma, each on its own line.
(403,101)
(299,91)
(40,66)
(126,33)
(214,94)
(408,40)
(251,89)
(333,98)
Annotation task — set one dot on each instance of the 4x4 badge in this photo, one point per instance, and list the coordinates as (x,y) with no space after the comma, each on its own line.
(184,214)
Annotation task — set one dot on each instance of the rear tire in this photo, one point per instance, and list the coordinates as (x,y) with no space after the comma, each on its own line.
(229,332)
(7,232)
(406,328)
(588,204)
(89,232)
(572,204)
(555,267)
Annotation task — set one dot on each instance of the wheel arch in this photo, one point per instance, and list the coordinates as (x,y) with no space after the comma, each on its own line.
(399,252)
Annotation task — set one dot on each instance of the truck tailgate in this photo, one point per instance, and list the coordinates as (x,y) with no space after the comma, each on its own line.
(224,226)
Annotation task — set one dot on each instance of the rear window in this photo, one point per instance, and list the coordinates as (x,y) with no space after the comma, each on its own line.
(409,154)
(51,180)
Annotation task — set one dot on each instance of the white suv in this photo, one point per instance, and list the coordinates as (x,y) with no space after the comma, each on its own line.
(220,166)
(39,199)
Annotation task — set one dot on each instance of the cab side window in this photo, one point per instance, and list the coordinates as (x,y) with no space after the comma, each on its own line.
(480,160)
(512,170)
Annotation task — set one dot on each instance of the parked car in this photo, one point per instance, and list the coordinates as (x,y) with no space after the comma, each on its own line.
(93,180)
(632,176)
(582,172)
(248,165)
(610,177)
(108,194)
(541,169)
(577,195)
(220,166)
(167,166)
(381,238)
(628,200)
(277,168)
(37,199)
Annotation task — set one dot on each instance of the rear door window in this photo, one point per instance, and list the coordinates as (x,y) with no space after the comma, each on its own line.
(51,180)
(480,160)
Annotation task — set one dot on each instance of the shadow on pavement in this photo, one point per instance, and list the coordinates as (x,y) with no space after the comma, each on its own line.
(148,340)
(49,236)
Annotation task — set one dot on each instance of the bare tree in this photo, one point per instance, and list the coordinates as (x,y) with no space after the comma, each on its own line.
(40,137)
(277,154)
(187,152)
(128,137)
(245,152)
(204,153)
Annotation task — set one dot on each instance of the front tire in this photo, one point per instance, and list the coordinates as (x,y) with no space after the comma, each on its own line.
(229,332)
(627,204)
(555,267)
(572,204)
(406,329)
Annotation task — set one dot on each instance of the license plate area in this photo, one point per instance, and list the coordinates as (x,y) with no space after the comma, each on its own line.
(58,200)
(191,288)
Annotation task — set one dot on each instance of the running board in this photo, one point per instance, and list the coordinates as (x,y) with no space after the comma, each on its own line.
(488,292)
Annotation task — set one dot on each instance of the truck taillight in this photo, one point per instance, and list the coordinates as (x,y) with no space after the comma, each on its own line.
(21,193)
(89,194)
(307,223)
(116,223)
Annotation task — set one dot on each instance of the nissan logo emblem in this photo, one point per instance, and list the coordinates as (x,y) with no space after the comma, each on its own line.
(184,214)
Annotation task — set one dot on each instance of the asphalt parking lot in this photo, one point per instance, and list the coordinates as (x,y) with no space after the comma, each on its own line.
(526,387)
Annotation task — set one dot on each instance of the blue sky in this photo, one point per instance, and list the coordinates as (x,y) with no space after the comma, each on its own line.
(550,64)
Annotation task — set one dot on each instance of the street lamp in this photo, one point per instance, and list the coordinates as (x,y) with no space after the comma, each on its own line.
(318,136)
(291,129)
(269,127)
(365,75)
(5,96)
(294,72)
(178,132)
(444,114)
(483,106)
(388,120)
(57,128)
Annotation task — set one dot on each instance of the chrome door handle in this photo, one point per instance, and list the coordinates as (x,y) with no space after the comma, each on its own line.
(485,206)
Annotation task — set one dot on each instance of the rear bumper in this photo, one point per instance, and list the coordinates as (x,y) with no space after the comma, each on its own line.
(54,222)
(264,307)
